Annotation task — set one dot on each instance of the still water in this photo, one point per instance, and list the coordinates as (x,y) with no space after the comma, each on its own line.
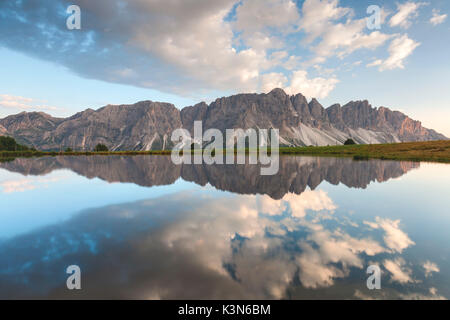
(143,228)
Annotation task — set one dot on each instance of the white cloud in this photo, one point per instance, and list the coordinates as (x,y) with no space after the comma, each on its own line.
(319,266)
(406,12)
(17,186)
(299,205)
(399,49)
(395,238)
(321,20)
(22,103)
(430,267)
(375,63)
(314,272)
(270,81)
(437,17)
(278,57)
(317,16)
(399,273)
(257,15)
(300,83)
(343,39)
(309,200)
(199,43)
(311,87)
(433,295)
(26,184)
(262,41)
(196,47)
(207,232)
(270,206)
(333,252)
(362,296)
(292,63)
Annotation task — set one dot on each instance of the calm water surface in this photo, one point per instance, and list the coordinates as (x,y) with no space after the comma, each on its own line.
(143,228)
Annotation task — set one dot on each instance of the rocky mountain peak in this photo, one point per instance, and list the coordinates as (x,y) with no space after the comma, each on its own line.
(278,92)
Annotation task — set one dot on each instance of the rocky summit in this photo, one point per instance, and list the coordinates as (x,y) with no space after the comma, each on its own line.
(148,125)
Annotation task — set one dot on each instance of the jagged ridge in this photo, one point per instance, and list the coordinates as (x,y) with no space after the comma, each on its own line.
(148,125)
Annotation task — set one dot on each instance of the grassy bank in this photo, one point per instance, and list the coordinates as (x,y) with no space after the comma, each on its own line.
(433,151)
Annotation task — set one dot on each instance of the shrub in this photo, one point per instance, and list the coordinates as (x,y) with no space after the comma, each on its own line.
(101,148)
(359,157)
(9,144)
(349,142)
(69,150)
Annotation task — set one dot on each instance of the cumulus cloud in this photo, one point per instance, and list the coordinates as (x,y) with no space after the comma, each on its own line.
(292,63)
(257,15)
(225,245)
(314,272)
(437,18)
(299,205)
(309,200)
(318,16)
(326,255)
(395,238)
(344,38)
(406,12)
(319,264)
(399,272)
(318,87)
(194,47)
(432,295)
(174,46)
(399,49)
(321,20)
(430,267)
(207,233)
(198,43)
(273,80)
(362,296)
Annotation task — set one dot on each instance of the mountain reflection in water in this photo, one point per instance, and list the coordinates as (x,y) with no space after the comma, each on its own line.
(267,237)
(295,173)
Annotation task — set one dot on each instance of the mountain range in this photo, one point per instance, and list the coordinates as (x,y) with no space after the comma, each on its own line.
(148,125)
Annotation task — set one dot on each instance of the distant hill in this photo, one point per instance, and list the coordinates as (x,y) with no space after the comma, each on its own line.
(148,125)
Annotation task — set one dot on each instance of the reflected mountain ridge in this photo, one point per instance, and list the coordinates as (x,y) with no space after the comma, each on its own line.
(294,176)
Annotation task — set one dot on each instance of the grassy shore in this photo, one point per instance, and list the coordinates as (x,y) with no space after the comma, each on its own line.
(433,151)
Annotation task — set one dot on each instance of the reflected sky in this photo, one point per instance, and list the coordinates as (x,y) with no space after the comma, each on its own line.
(142,228)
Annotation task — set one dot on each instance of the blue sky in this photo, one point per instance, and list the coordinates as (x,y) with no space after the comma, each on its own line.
(187,51)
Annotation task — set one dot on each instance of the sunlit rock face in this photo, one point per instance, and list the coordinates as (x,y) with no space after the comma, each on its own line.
(295,174)
(143,126)
(148,125)
(302,123)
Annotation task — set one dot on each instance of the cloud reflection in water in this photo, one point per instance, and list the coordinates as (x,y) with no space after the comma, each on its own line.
(193,245)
